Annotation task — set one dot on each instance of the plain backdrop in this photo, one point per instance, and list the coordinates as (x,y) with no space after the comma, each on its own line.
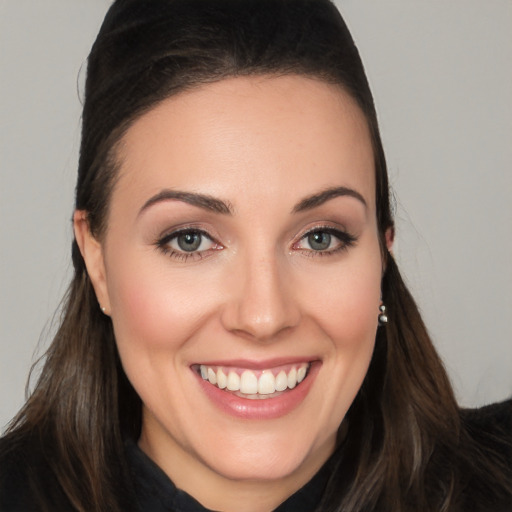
(441,75)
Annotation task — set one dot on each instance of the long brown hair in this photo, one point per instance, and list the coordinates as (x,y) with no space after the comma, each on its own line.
(402,448)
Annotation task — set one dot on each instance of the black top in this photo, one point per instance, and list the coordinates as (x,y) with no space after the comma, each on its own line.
(150,490)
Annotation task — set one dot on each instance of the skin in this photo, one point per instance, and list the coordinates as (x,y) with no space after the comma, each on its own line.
(258,291)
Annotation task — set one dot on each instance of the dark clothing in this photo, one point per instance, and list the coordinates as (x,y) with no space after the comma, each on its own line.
(150,490)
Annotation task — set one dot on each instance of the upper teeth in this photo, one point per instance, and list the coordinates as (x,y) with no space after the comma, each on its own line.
(248,382)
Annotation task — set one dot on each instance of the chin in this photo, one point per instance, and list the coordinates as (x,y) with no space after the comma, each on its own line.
(270,457)
(247,468)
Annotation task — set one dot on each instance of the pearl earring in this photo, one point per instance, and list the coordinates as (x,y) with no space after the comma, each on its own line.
(383,319)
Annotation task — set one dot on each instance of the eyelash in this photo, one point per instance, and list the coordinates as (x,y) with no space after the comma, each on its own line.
(163,245)
(346,241)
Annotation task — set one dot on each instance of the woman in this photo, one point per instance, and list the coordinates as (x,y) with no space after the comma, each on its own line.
(237,335)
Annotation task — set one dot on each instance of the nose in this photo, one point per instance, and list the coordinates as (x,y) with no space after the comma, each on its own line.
(261,305)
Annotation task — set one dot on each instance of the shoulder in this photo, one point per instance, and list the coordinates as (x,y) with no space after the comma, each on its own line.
(32,469)
(25,475)
(14,476)
(487,457)
(491,418)
(490,429)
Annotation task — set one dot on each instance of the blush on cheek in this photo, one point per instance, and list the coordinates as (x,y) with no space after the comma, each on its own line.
(351,316)
(159,312)
(141,313)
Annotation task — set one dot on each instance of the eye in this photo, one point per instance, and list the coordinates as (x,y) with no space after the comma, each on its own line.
(187,243)
(319,240)
(325,240)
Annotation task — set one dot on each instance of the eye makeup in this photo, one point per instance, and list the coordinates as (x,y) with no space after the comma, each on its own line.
(325,241)
(188,243)
(193,243)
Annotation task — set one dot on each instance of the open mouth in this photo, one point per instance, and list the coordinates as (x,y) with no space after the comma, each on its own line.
(255,384)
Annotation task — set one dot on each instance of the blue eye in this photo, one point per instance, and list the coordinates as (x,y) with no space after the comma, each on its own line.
(319,240)
(325,241)
(187,243)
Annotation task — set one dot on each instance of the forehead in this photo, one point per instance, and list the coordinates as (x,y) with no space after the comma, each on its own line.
(249,138)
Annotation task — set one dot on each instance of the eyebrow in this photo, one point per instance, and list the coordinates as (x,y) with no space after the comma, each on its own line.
(215,205)
(315,200)
(203,201)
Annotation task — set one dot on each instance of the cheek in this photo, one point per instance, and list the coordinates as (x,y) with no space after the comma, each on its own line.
(154,310)
(349,318)
(347,305)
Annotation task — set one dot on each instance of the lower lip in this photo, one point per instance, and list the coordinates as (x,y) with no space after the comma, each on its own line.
(264,409)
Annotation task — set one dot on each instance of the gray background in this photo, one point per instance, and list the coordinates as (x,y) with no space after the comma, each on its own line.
(442,78)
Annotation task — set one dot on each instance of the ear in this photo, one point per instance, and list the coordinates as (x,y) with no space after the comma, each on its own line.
(92,253)
(390,238)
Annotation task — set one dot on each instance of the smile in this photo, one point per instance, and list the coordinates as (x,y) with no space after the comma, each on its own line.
(255,384)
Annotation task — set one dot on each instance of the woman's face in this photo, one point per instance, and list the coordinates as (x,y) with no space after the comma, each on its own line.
(242,253)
